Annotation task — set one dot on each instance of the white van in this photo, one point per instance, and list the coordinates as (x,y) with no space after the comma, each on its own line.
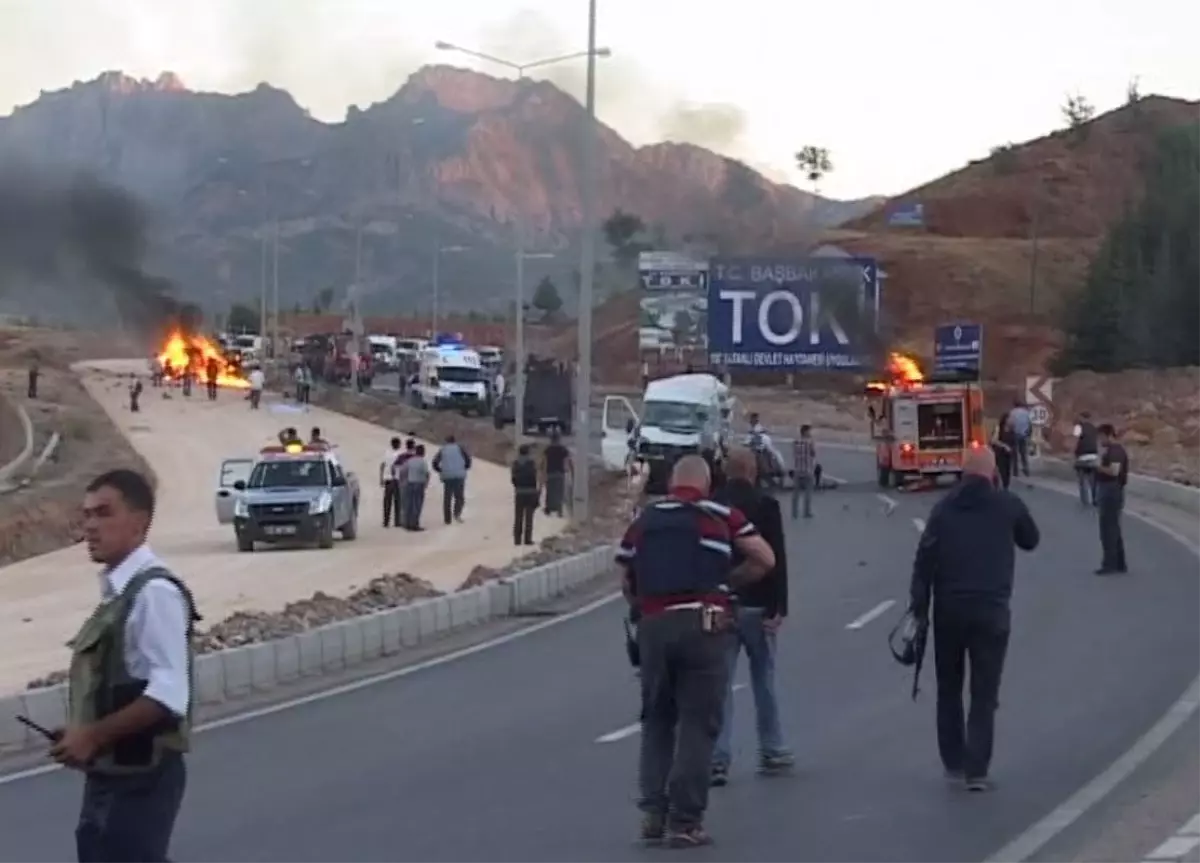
(384,352)
(680,415)
(451,375)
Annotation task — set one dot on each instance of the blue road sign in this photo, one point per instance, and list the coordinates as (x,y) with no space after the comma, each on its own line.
(907,216)
(958,347)
(771,313)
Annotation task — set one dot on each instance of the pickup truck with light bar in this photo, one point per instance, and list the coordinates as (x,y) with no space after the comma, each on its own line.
(288,494)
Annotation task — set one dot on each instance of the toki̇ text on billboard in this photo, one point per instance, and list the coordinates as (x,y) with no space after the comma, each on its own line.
(791,314)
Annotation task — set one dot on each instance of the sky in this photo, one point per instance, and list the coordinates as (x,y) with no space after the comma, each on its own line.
(899,93)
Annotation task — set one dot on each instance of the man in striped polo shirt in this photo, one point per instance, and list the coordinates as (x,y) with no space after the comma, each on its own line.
(678,561)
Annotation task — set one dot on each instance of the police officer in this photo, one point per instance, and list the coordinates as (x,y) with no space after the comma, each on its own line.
(526,493)
(1111,476)
(964,563)
(678,573)
(130,702)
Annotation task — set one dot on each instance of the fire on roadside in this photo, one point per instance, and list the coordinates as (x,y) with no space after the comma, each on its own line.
(901,370)
(180,350)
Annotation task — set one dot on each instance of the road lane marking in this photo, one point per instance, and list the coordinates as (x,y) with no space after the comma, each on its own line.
(919,524)
(1185,839)
(875,612)
(889,504)
(636,727)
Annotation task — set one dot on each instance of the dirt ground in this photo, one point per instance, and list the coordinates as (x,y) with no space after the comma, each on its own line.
(43,516)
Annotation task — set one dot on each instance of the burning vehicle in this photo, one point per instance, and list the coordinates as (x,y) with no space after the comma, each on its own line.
(922,424)
(183,354)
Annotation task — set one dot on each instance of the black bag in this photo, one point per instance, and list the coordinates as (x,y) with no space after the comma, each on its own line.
(907,642)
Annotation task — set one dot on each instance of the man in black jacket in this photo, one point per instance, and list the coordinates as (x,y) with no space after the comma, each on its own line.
(965,563)
(762,606)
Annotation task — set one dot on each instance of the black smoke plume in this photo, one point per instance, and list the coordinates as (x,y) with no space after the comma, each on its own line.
(74,247)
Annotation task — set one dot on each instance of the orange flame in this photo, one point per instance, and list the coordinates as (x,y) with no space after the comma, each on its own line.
(902,371)
(175,353)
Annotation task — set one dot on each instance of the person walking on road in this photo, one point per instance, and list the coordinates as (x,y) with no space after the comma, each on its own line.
(389,481)
(964,564)
(804,461)
(1111,477)
(211,370)
(1004,450)
(257,382)
(679,572)
(556,464)
(524,473)
(452,463)
(1087,458)
(130,683)
(416,481)
(1022,428)
(760,610)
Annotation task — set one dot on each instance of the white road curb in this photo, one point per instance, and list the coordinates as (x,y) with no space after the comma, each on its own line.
(236,672)
(6,471)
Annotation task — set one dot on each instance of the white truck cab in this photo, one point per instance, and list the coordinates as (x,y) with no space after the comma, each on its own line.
(451,375)
(680,415)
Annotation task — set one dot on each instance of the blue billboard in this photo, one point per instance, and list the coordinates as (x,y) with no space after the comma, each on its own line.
(910,215)
(958,347)
(771,313)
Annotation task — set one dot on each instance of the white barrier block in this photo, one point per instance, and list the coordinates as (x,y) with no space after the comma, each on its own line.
(352,638)
(287,659)
(235,663)
(262,665)
(310,646)
(333,647)
(372,636)
(13,735)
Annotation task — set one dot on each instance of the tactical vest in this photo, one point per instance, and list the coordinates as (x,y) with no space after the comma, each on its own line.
(672,556)
(99,684)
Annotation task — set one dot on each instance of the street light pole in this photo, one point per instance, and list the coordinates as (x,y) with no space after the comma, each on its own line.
(275,297)
(519,359)
(521,68)
(587,262)
(437,259)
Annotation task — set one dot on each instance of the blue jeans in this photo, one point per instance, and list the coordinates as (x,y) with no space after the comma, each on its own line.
(760,651)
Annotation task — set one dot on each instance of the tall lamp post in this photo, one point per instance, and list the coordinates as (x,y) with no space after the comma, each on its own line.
(587,265)
(521,69)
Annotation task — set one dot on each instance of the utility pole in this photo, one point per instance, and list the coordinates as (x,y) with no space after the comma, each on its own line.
(355,324)
(275,297)
(262,298)
(587,265)
(1033,256)
(437,259)
(519,317)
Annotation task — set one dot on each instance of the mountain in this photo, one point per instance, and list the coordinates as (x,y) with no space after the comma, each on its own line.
(453,159)
(1004,241)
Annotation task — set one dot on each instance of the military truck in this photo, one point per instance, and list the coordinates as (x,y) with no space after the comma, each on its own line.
(293,493)
(549,398)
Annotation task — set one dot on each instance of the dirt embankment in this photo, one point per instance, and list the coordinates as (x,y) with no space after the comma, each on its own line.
(44,515)
(12,430)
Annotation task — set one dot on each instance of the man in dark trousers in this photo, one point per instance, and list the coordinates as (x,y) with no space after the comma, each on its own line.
(452,463)
(964,563)
(211,370)
(1111,477)
(526,493)
(35,372)
(556,462)
(390,483)
(1087,458)
(130,713)
(761,608)
(679,572)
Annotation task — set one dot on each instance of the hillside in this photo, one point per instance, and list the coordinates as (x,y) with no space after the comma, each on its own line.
(451,159)
(974,257)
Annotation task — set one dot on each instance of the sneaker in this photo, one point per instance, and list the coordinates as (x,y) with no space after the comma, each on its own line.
(776,763)
(688,837)
(719,776)
(654,828)
(980,784)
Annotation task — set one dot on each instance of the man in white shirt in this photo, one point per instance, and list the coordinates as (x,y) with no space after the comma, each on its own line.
(389,481)
(257,382)
(130,702)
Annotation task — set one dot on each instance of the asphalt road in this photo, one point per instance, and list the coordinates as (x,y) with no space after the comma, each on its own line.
(496,756)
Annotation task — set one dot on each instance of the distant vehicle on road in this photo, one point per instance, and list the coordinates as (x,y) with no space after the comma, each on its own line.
(295,493)
(549,398)
(450,375)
